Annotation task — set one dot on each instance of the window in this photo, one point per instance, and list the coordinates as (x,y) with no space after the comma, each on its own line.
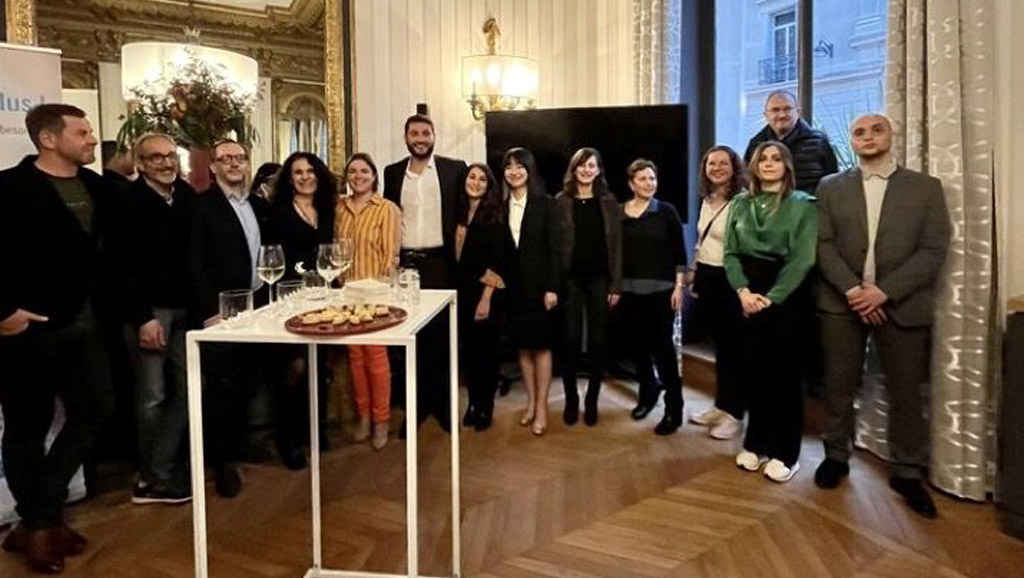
(756,52)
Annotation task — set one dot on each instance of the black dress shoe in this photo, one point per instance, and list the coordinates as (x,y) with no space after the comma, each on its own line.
(229,482)
(293,459)
(668,424)
(916,496)
(830,473)
(571,413)
(482,421)
(641,410)
(44,552)
(470,417)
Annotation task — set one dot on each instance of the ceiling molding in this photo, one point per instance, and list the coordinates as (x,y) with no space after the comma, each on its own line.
(284,41)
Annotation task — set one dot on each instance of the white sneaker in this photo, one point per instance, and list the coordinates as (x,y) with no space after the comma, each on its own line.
(710,416)
(727,428)
(750,461)
(777,471)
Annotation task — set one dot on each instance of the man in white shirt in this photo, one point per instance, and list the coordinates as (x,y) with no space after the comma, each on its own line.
(883,236)
(425,186)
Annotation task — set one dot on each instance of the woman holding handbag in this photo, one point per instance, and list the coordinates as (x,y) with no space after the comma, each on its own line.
(722,176)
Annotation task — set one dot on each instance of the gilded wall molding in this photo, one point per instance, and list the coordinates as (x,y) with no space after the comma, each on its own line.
(21,21)
(94,30)
(334,81)
(80,74)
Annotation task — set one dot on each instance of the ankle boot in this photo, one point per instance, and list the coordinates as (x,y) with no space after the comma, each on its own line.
(590,403)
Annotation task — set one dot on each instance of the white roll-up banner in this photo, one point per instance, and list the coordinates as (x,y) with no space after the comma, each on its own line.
(28,76)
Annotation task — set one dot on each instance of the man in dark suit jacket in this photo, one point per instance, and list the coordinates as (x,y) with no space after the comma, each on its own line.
(56,216)
(154,296)
(425,186)
(226,233)
(883,237)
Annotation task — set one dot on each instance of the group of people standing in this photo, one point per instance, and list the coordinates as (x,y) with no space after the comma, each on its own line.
(777,233)
(797,266)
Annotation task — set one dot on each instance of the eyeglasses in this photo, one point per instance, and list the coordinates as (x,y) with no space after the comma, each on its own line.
(228,159)
(160,158)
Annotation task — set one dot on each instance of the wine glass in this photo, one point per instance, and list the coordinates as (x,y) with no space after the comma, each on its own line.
(345,254)
(270,266)
(328,263)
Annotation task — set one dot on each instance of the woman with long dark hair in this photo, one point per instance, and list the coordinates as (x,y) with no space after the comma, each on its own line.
(592,263)
(722,176)
(653,271)
(303,218)
(534,277)
(482,245)
(771,242)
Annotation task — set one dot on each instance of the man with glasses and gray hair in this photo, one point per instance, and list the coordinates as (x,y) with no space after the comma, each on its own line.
(152,257)
(813,157)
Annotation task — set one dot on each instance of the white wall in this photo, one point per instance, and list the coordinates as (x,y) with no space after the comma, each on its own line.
(112,104)
(410,51)
(1009,153)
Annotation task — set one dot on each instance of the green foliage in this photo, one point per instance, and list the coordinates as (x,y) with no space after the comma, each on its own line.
(197,108)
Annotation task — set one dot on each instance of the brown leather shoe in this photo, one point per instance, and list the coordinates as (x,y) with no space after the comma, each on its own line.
(43,551)
(70,542)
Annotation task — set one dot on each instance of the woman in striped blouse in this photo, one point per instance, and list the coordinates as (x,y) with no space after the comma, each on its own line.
(374,225)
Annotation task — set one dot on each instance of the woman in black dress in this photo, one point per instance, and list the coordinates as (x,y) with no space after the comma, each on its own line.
(592,280)
(534,275)
(482,246)
(303,218)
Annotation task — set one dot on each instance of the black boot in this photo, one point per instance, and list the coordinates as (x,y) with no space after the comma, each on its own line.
(571,414)
(590,403)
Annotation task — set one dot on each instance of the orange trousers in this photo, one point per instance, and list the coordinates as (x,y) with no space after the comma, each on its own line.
(371,381)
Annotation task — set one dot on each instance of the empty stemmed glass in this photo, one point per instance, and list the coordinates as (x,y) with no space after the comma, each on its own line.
(270,266)
(328,263)
(345,254)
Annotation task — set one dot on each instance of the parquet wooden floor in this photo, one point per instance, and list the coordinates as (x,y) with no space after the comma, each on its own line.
(611,501)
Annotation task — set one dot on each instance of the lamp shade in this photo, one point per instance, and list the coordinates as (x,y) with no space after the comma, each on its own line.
(150,65)
(501,76)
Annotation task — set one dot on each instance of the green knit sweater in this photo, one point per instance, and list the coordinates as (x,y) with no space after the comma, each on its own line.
(789,233)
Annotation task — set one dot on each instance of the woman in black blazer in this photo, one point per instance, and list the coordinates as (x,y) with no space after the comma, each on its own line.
(302,218)
(591,260)
(532,223)
(482,246)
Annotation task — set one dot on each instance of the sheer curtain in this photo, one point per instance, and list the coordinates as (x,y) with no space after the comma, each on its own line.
(939,93)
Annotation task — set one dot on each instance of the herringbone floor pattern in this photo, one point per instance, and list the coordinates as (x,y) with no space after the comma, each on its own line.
(610,501)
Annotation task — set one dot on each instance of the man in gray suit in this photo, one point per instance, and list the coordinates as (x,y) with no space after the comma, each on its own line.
(883,236)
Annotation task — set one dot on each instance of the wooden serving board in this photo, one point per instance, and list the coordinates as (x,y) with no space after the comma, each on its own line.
(295,324)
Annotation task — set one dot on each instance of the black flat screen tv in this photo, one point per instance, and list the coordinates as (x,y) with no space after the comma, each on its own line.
(621,133)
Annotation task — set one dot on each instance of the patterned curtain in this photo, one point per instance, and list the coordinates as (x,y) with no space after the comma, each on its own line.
(657,57)
(939,93)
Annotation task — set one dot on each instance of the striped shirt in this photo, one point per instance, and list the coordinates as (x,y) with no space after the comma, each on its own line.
(374,231)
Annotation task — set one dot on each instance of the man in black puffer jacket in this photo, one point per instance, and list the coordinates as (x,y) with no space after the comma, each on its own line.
(813,156)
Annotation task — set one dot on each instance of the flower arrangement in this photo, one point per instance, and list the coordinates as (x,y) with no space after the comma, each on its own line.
(197,107)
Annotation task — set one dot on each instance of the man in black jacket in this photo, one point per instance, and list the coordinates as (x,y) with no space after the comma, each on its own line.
(813,157)
(55,217)
(153,277)
(225,237)
(425,186)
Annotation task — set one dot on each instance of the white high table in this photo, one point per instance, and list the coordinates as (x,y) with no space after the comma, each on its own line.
(269,328)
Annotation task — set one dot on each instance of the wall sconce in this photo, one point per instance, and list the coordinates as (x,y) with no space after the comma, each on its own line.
(495,81)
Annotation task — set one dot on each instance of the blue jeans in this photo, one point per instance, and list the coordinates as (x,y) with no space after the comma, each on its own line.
(161,400)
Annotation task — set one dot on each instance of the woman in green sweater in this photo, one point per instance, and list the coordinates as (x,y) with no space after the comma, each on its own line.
(770,246)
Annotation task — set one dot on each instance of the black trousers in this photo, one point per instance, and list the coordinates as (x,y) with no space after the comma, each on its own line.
(650,318)
(720,307)
(230,373)
(771,351)
(40,365)
(584,295)
(480,352)
(290,376)
(432,359)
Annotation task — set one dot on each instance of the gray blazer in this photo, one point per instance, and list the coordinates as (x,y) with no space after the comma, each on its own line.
(910,245)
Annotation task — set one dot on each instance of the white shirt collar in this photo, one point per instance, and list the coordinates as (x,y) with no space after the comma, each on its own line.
(883,173)
(409,173)
(517,202)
